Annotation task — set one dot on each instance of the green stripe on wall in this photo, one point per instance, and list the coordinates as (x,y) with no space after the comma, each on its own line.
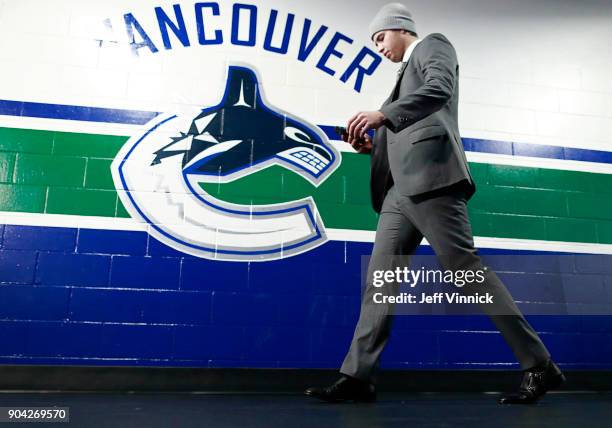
(69,173)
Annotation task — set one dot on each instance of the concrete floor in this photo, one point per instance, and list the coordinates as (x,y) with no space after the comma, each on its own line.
(473,410)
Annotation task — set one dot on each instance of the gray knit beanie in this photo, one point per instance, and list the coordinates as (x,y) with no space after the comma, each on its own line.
(393,16)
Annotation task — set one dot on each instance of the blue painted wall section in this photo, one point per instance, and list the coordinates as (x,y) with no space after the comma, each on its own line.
(115,297)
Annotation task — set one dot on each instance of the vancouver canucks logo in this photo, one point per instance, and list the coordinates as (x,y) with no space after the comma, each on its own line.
(158,176)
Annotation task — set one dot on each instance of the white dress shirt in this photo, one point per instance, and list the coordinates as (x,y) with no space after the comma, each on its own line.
(407,56)
(410,49)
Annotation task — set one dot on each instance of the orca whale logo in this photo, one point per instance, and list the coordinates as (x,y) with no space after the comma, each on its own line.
(158,176)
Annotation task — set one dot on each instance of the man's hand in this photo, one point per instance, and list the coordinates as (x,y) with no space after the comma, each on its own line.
(362,145)
(362,122)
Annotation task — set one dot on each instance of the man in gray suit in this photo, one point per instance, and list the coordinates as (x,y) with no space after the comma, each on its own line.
(420,185)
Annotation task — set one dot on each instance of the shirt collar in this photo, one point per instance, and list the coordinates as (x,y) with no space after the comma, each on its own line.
(410,49)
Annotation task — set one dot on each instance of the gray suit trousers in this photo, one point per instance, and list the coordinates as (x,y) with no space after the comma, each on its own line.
(442,217)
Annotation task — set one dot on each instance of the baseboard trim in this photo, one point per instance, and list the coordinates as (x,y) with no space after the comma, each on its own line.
(257,380)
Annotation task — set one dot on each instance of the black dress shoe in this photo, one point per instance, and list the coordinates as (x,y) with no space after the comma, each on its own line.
(536,382)
(346,389)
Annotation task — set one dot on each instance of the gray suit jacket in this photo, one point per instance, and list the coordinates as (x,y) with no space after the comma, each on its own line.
(419,147)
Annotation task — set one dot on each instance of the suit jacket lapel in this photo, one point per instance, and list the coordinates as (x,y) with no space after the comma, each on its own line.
(400,73)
